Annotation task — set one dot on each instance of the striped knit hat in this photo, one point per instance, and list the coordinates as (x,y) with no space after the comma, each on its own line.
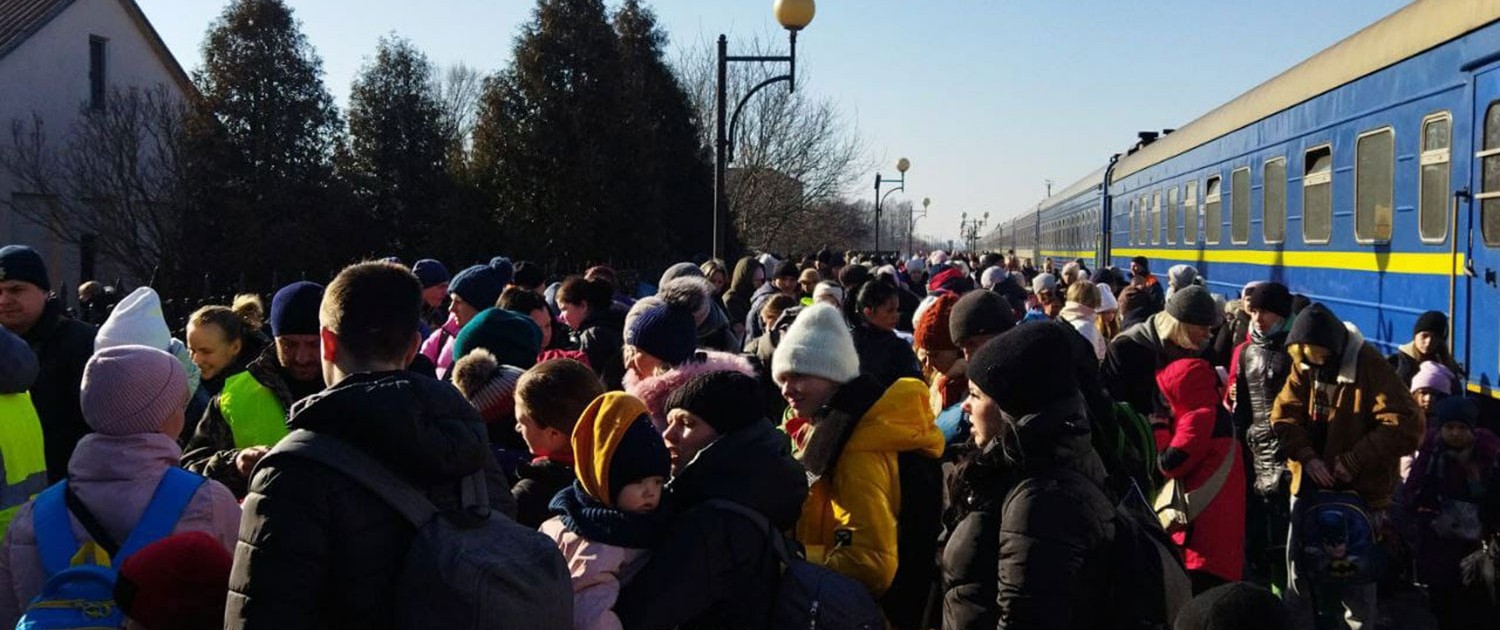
(487,385)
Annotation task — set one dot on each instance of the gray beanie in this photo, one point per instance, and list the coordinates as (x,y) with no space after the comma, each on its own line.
(1193,305)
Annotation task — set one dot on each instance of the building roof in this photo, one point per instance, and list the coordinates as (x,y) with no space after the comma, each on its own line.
(20,19)
(1411,30)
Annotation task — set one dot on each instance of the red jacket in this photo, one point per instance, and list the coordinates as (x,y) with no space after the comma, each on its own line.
(1193,447)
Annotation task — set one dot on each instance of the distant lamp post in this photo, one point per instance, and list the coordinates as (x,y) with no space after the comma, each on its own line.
(969,230)
(794,15)
(901,166)
(911,224)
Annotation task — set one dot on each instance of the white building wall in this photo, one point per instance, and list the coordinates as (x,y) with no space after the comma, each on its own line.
(48,76)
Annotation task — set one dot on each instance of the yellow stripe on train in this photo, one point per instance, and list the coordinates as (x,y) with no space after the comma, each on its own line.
(1438,264)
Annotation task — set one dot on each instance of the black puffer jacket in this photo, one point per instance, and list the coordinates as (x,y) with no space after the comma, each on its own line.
(601,336)
(1028,540)
(1263,368)
(63,347)
(885,356)
(319,550)
(715,568)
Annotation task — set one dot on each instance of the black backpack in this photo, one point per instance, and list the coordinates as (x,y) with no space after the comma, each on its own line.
(919,525)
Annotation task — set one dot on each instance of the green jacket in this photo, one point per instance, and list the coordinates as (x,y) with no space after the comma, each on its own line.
(251,410)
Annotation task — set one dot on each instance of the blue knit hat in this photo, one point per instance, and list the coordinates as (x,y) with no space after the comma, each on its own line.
(294,309)
(661,330)
(505,269)
(479,285)
(430,272)
(19,262)
(512,337)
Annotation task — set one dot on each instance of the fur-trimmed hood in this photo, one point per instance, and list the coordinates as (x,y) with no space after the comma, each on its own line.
(653,391)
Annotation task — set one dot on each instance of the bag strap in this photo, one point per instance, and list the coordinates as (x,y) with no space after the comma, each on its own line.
(1205,494)
(778,542)
(90,522)
(401,495)
(171,498)
(55,541)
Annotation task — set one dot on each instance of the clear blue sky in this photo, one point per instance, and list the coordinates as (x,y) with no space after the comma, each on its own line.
(988,98)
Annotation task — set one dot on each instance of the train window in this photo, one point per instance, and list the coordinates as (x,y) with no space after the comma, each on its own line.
(1432,187)
(1156,217)
(1239,206)
(1489,185)
(1190,213)
(1213,223)
(1374,185)
(1317,195)
(1172,210)
(1273,201)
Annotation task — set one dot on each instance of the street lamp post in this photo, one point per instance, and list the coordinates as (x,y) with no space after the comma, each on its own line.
(794,15)
(969,230)
(901,166)
(911,224)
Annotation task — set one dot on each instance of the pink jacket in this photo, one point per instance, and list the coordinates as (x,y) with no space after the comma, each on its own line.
(115,477)
(654,390)
(438,347)
(598,571)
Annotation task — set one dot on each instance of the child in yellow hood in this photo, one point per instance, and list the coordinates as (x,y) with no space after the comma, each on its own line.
(608,519)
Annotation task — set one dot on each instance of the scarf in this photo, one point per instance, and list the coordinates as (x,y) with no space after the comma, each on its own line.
(587,517)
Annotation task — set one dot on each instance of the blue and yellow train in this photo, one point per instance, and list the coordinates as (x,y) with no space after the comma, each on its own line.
(1366,177)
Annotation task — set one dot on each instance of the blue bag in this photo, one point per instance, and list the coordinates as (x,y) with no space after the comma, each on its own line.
(1334,541)
(80,588)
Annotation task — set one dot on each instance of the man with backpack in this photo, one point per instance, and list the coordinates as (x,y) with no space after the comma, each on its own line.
(1345,419)
(331,536)
(871,453)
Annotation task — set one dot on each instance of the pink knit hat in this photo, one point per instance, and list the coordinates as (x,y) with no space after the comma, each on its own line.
(1434,376)
(132,389)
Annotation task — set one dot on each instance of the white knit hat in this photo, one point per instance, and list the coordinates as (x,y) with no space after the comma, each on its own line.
(136,321)
(992,277)
(817,344)
(1107,301)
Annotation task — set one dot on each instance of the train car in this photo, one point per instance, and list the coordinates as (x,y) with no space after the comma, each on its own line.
(1070,222)
(1367,178)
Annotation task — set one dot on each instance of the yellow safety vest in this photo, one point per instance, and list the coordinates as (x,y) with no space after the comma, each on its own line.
(254,414)
(22,455)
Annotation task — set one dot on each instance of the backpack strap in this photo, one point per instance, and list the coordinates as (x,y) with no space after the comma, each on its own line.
(401,495)
(172,496)
(55,541)
(778,542)
(90,523)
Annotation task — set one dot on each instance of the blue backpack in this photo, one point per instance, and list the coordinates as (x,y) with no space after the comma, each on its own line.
(1334,542)
(80,588)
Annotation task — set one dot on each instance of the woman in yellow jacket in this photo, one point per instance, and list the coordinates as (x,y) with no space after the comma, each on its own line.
(850,434)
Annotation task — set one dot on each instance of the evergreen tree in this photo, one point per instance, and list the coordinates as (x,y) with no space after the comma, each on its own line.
(272,128)
(675,173)
(399,149)
(552,146)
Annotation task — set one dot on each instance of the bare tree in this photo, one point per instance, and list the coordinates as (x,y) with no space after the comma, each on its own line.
(780,136)
(117,177)
(459,90)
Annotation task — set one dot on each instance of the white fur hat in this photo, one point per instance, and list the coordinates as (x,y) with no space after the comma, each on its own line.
(817,344)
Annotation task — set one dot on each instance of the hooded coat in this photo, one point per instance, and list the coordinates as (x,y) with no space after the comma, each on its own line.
(1029,517)
(849,521)
(62,346)
(601,336)
(654,390)
(1192,449)
(715,569)
(317,549)
(741,288)
(115,477)
(1357,412)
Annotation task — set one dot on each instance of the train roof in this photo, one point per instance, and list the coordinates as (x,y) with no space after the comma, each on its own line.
(1417,27)
(1092,181)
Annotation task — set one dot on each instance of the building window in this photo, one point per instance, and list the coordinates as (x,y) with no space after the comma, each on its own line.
(1239,206)
(1156,217)
(1374,185)
(1273,201)
(98,74)
(1432,187)
(1213,222)
(1172,210)
(1190,213)
(1317,195)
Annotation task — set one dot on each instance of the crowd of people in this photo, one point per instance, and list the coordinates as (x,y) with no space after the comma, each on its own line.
(834,441)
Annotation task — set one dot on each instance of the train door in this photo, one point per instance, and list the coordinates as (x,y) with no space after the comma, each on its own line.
(1477,219)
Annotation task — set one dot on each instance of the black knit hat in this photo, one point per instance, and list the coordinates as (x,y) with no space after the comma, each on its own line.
(787,269)
(1234,606)
(1193,305)
(727,401)
(1454,409)
(1434,322)
(1273,297)
(1318,326)
(641,454)
(979,313)
(1026,369)
(19,262)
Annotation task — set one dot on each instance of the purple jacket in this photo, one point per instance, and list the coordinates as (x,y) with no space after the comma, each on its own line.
(115,477)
